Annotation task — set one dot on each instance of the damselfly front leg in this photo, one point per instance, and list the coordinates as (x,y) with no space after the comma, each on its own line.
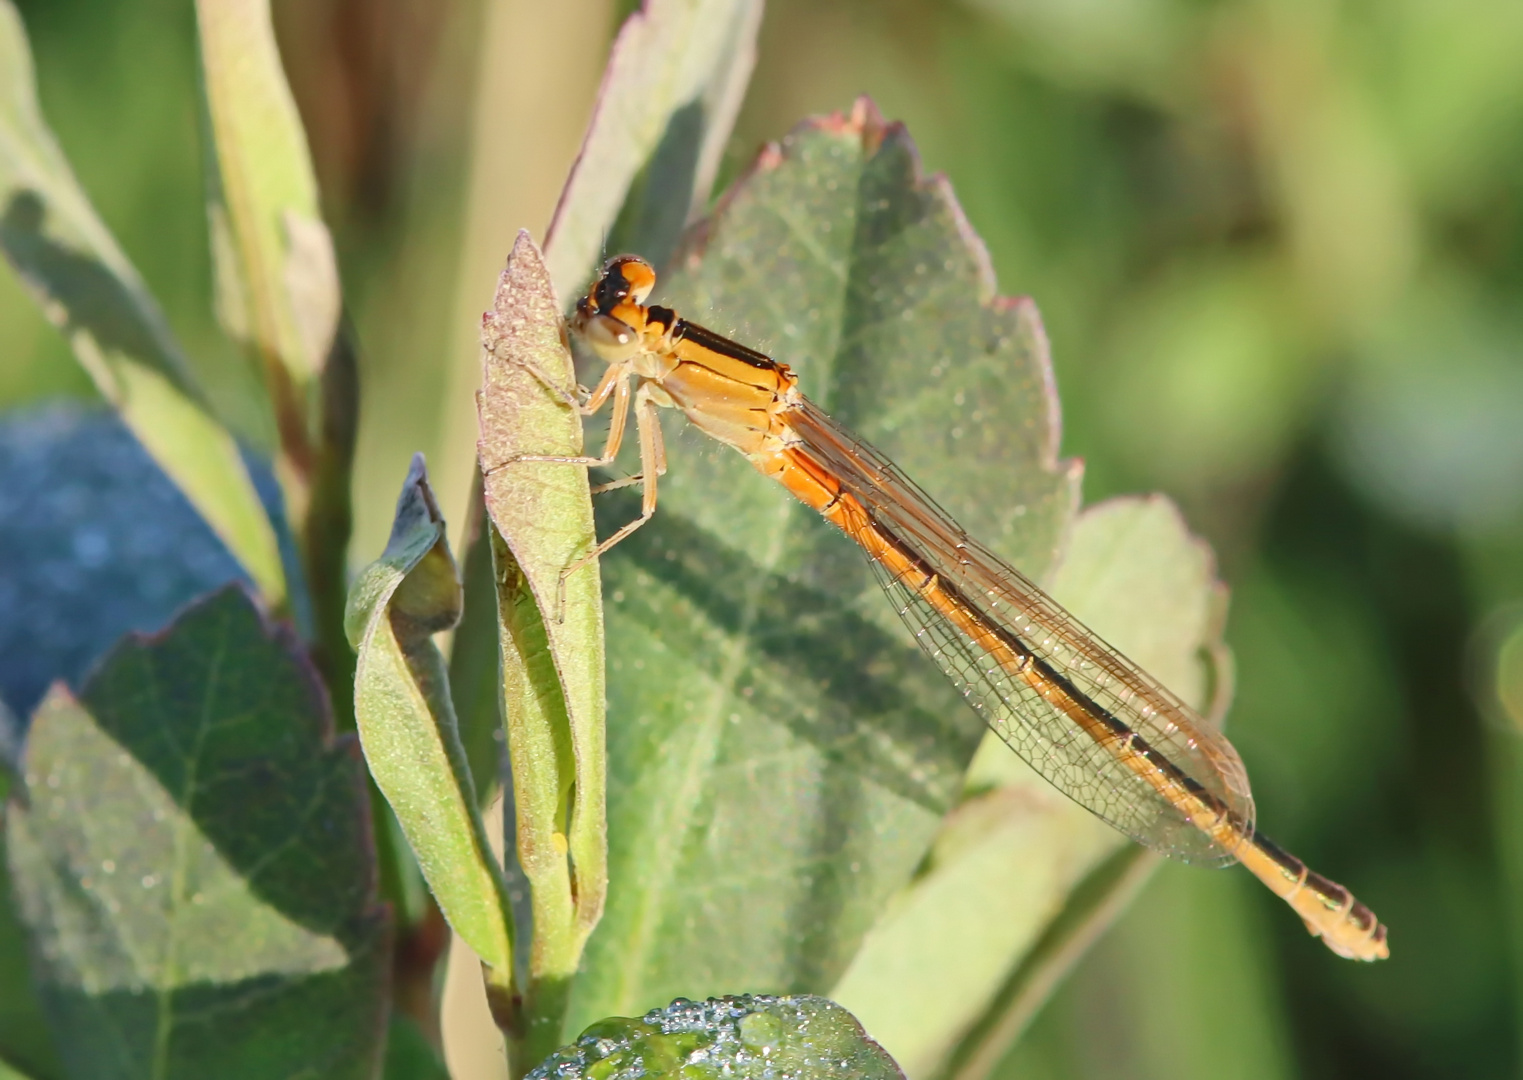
(652,465)
(615,386)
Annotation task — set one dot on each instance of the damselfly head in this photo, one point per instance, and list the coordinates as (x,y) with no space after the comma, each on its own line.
(625,279)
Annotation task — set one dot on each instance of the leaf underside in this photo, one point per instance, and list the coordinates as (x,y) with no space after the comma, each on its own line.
(407,722)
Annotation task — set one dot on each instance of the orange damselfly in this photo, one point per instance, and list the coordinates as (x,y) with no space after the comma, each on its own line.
(1086,718)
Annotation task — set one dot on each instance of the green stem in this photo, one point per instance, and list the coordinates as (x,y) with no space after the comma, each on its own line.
(538,1032)
(324,534)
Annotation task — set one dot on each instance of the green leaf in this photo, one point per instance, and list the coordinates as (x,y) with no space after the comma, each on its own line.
(752,1036)
(194,862)
(11,738)
(25,1041)
(782,753)
(1009,863)
(9,1072)
(407,722)
(88,289)
(409,1055)
(551,632)
(277,279)
(673,84)
(475,667)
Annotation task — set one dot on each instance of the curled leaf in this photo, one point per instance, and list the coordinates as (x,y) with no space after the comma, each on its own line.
(407,722)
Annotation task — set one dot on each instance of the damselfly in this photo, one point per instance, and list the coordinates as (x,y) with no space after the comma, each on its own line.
(1086,718)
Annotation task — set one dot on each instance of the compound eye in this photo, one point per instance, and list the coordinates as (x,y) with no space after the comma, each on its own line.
(611,339)
(641,277)
(624,277)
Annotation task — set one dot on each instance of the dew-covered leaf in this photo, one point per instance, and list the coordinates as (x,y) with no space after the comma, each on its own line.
(88,289)
(782,754)
(407,722)
(752,1036)
(1010,861)
(670,92)
(194,862)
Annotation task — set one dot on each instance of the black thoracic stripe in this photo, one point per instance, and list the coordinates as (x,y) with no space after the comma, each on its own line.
(1112,723)
(699,335)
(665,316)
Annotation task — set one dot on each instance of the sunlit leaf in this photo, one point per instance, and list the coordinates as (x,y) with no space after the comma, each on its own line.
(407,722)
(550,629)
(782,754)
(89,290)
(669,96)
(193,861)
(803,1037)
(277,280)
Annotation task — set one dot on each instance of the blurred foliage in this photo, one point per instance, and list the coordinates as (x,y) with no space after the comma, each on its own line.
(1276,244)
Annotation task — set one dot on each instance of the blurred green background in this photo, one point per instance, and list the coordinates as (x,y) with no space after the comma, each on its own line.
(1278,249)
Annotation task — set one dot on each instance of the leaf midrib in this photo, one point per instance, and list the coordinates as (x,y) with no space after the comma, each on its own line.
(185,831)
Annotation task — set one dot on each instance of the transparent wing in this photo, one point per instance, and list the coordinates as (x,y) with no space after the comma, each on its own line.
(1025,703)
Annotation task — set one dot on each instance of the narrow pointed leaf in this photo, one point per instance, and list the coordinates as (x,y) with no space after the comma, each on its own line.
(752,1036)
(89,290)
(407,722)
(551,634)
(194,862)
(1009,862)
(674,82)
(277,279)
(782,753)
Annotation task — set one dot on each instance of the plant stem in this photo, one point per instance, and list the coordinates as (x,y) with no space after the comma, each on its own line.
(325,533)
(538,1032)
